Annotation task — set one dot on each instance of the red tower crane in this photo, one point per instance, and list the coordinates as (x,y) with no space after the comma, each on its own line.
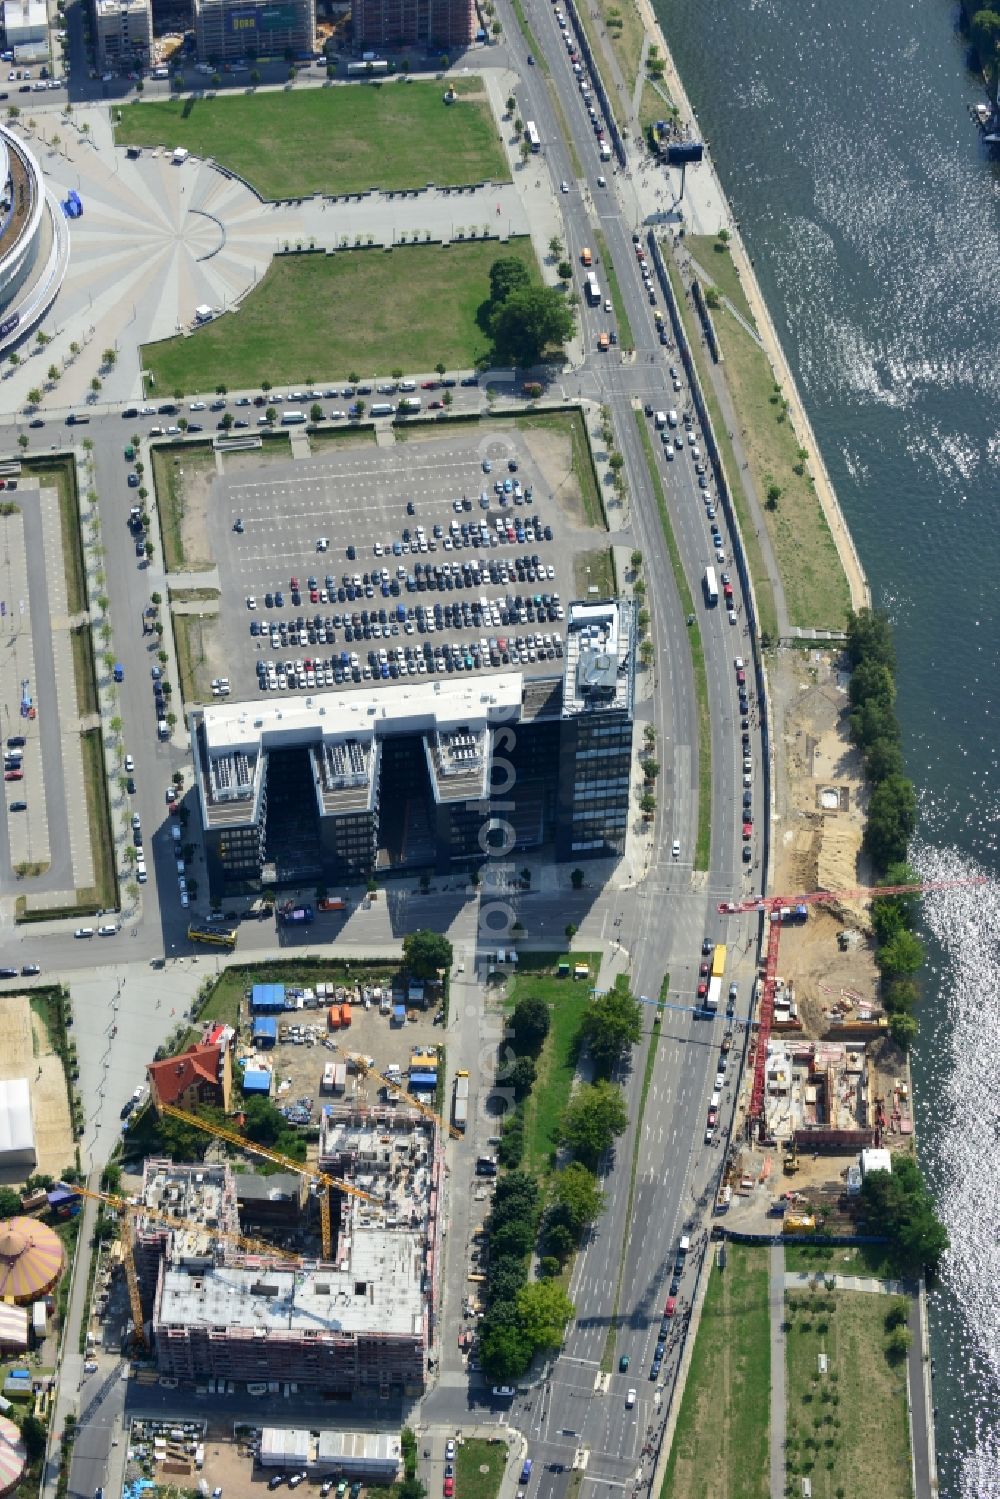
(778,906)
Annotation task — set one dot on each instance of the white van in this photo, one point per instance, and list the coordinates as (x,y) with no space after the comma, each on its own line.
(684,1245)
(672,418)
(660,420)
(715,1101)
(383,408)
(407,384)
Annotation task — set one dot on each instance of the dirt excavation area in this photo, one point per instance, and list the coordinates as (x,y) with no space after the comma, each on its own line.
(26,1052)
(834,1080)
(816,836)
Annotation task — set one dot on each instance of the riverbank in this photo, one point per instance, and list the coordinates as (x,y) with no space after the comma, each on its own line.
(798,419)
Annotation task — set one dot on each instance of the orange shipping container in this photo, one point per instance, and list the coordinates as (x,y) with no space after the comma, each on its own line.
(334,1017)
(345,1015)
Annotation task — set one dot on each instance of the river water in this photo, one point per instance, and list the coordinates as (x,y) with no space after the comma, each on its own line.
(842,139)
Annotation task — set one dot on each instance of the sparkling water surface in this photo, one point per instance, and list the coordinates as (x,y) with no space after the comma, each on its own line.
(843,141)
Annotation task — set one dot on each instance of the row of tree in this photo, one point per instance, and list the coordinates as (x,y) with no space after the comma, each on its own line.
(898,1203)
(522,318)
(892,808)
(522,1317)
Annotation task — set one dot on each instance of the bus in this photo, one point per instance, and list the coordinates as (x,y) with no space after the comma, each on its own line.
(532,137)
(711,587)
(371,68)
(592,288)
(213,934)
(719,960)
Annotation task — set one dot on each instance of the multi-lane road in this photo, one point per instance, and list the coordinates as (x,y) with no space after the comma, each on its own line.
(659,921)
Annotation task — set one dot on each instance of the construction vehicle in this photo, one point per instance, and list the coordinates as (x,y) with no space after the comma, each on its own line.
(219,1132)
(128,1211)
(775,906)
(362,1065)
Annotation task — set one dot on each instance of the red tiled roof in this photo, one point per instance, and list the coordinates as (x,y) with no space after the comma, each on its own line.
(171,1078)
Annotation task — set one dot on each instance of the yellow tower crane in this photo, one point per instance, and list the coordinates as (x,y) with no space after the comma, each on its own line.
(362,1066)
(220,1132)
(130,1210)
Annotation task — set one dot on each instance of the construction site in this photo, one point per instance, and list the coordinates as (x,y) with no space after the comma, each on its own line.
(350,1309)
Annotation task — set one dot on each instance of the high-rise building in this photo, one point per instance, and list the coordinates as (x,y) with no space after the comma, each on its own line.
(251,29)
(407,23)
(123,33)
(434,772)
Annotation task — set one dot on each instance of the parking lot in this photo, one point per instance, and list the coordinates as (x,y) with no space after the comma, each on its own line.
(447,554)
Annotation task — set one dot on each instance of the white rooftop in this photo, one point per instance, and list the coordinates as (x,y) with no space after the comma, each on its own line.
(377,1290)
(420,706)
(17,1133)
(875,1160)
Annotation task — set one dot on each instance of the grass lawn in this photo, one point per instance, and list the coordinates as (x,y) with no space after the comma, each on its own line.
(766,611)
(848,1430)
(472,1456)
(703,842)
(358,310)
(816,591)
(721,1447)
(168,486)
(653,107)
(571,423)
(335,140)
(594,570)
(567,1000)
(105,891)
(340,437)
(840,1259)
(713,256)
(82,645)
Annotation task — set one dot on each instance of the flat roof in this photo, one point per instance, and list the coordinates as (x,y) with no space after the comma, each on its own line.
(378,1288)
(420,705)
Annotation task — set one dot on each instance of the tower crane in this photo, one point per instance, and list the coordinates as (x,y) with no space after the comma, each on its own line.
(129,1211)
(220,1132)
(362,1066)
(774,905)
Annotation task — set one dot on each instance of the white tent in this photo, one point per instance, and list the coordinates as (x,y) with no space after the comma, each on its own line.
(17,1134)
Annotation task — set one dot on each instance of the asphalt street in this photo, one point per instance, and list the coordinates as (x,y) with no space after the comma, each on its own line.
(656,927)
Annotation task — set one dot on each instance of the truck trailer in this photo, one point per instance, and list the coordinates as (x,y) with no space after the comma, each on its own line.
(713,996)
(460,1101)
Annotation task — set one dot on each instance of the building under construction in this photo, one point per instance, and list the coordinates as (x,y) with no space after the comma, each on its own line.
(360,1321)
(825,1096)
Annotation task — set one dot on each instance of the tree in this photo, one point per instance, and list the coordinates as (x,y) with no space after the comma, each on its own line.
(576,1193)
(110,357)
(883,758)
(53,373)
(271,415)
(576,879)
(255,77)
(564,271)
(869,637)
(511,104)
(521,1076)
(592,1120)
(507,275)
(34,1436)
(899,1205)
(555,247)
(10,1203)
(611,1026)
(440,367)
(899,995)
(34,396)
(544,1309)
(95,384)
(22,441)
(527,322)
(903,1029)
(903,953)
(529,1025)
(315,412)
(424,952)
(504,1350)
(897,1344)
(892,817)
(360,407)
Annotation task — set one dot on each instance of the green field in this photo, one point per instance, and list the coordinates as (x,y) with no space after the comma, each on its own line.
(712,254)
(848,1430)
(363,311)
(334,141)
(567,1000)
(473,1455)
(721,1447)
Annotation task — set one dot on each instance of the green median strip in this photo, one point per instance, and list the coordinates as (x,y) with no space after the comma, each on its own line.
(608,1357)
(625,339)
(703,841)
